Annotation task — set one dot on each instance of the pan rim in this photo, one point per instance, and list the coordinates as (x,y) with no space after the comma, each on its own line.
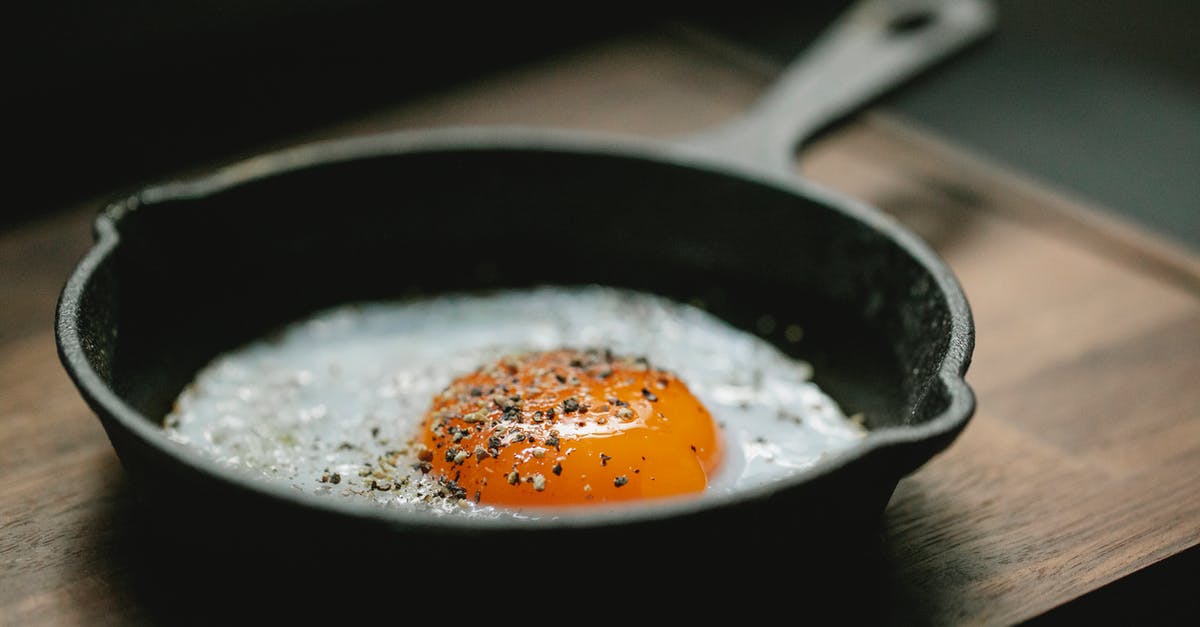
(941,429)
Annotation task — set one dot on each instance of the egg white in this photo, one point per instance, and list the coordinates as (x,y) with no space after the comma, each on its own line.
(332,397)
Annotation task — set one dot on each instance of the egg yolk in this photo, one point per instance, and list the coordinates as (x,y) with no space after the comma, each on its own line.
(569,427)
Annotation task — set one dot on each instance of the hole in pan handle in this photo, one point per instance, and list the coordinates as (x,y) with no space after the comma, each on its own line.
(872,47)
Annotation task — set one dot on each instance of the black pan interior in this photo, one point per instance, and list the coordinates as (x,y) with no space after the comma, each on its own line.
(198,276)
(201,269)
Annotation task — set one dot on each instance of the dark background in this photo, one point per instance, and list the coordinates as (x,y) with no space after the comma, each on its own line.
(1100,98)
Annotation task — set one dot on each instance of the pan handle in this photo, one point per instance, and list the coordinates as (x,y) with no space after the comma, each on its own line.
(874,46)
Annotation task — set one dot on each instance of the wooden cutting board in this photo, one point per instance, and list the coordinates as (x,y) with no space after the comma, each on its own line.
(1078,469)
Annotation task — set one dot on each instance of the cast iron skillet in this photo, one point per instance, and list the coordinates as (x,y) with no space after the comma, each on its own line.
(183,271)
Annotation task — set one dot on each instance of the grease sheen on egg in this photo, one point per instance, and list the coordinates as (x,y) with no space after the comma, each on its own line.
(337,404)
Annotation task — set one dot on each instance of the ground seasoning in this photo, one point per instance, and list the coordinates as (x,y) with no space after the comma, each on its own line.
(504,418)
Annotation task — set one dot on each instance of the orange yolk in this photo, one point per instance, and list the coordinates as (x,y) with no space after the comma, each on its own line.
(569,427)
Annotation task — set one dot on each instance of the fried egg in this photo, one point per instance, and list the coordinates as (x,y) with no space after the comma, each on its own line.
(513,402)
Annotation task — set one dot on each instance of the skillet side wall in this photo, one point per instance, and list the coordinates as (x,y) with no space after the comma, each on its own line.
(200,276)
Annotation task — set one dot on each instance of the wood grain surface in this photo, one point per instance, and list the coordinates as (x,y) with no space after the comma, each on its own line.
(1078,469)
